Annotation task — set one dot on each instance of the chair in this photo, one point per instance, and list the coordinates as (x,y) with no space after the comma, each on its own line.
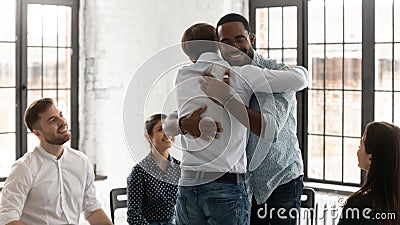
(308,202)
(116,203)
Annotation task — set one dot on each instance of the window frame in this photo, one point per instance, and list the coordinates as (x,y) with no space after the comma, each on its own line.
(367,73)
(21,71)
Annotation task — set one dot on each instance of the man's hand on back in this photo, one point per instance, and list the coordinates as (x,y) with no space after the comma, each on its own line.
(199,127)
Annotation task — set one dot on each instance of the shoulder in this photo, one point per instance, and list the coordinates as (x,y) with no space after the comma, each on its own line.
(268,63)
(28,162)
(359,201)
(25,165)
(136,174)
(76,154)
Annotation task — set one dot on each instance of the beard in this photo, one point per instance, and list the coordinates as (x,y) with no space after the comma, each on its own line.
(57,140)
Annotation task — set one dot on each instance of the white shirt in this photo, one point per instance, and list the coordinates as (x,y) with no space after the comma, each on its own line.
(43,190)
(227,153)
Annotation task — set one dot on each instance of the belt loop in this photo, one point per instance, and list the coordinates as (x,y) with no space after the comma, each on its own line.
(237,178)
(200,176)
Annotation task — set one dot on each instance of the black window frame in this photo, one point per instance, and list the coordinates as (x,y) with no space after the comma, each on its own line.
(367,77)
(21,71)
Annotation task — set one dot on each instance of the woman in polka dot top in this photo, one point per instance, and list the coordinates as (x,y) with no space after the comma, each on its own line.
(152,184)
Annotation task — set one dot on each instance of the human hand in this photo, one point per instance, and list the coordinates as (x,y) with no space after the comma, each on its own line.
(215,89)
(198,127)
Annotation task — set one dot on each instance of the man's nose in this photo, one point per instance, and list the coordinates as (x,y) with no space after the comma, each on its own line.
(62,120)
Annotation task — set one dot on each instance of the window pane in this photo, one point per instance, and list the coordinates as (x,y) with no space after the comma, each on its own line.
(397,21)
(7,64)
(7,14)
(33,141)
(64,104)
(64,26)
(316,21)
(34,25)
(352,113)
(383,106)
(383,67)
(276,54)
(397,108)
(50,94)
(352,20)
(34,95)
(333,62)
(290,27)
(275,25)
(316,112)
(49,68)
(334,21)
(333,158)
(333,109)
(7,152)
(34,67)
(315,157)
(263,52)
(316,66)
(352,67)
(290,57)
(350,161)
(49,25)
(383,20)
(261,28)
(7,110)
(397,67)
(64,68)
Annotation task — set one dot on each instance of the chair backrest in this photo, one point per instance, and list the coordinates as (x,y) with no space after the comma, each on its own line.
(115,203)
(308,202)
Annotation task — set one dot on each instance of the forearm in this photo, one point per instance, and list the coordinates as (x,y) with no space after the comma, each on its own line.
(99,217)
(250,118)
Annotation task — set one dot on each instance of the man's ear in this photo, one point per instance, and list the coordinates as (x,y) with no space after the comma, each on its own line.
(147,137)
(252,38)
(37,133)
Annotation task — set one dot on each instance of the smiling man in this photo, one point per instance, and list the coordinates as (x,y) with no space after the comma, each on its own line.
(53,184)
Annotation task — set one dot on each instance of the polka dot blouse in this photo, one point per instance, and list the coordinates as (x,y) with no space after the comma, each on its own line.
(151,191)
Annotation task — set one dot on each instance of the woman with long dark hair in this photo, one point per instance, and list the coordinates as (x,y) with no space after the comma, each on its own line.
(378,200)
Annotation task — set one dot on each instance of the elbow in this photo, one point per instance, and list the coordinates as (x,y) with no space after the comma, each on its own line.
(303,78)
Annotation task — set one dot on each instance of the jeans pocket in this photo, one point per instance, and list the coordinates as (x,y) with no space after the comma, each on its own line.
(181,211)
(224,211)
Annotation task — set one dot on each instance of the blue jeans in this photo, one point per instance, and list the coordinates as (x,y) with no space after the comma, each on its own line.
(282,207)
(213,204)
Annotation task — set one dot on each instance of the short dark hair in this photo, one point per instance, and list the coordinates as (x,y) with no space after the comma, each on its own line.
(234,17)
(199,38)
(31,115)
(151,122)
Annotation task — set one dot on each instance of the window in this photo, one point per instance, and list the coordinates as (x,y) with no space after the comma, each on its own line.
(38,58)
(350,84)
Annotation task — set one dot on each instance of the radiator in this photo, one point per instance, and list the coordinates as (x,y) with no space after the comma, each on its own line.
(327,210)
